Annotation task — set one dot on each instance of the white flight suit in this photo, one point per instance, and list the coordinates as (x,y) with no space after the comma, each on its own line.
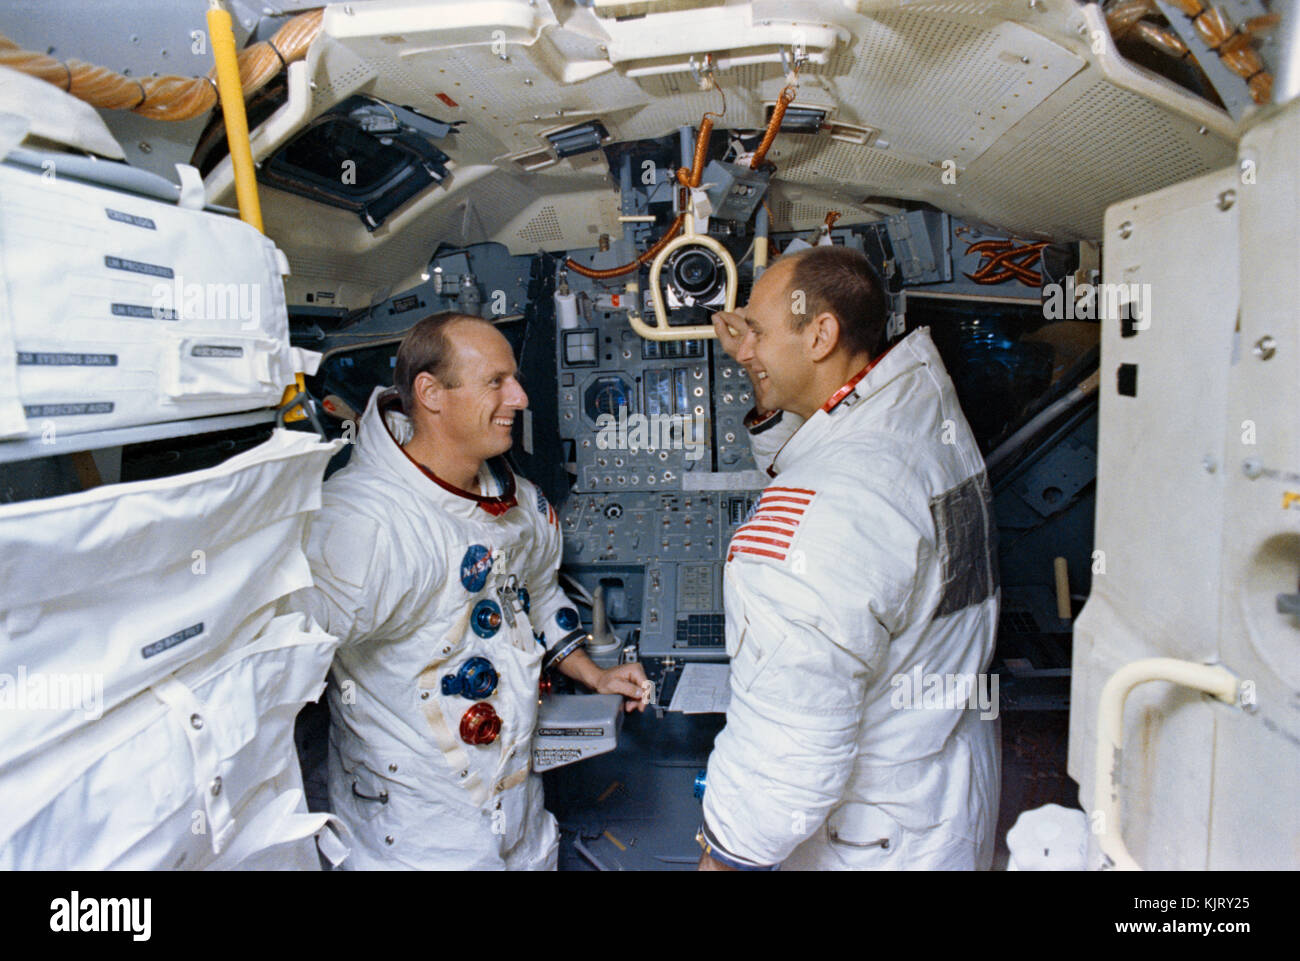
(401,562)
(868,566)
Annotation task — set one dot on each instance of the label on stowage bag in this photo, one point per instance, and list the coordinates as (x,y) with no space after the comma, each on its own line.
(571,732)
(27,358)
(67,410)
(132,219)
(137,267)
(167,643)
(213,350)
(137,310)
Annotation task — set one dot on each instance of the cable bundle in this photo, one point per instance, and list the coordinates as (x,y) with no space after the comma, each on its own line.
(166,98)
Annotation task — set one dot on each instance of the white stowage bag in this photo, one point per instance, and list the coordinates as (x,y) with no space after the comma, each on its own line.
(166,779)
(116,310)
(148,683)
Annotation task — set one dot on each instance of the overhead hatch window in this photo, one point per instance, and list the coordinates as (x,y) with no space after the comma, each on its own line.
(326,153)
(365,155)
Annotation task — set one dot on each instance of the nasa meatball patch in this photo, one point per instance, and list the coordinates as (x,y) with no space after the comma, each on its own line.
(474,568)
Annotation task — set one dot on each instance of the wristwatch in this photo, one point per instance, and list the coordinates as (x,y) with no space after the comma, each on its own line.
(702,838)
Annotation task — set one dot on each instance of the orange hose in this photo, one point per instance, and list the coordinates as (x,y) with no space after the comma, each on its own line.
(1216,31)
(694,176)
(1262,24)
(165,98)
(686,179)
(644,258)
(1261,87)
(1240,57)
(773,127)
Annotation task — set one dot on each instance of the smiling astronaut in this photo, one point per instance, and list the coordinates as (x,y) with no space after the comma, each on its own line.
(435,565)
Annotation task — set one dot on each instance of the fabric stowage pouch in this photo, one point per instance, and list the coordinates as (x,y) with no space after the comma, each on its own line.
(221,365)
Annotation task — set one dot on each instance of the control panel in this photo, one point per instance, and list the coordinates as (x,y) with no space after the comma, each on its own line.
(639,412)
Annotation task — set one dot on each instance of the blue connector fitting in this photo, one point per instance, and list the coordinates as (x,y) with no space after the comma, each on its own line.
(476,679)
(486,619)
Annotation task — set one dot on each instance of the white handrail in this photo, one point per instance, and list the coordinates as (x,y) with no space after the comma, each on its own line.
(1216,681)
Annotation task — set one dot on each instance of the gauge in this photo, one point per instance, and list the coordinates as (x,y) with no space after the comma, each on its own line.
(605,395)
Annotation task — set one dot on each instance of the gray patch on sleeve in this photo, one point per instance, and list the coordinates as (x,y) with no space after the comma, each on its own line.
(967,536)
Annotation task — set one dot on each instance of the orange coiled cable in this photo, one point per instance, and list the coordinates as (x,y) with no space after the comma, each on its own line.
(646,257)
(694,176)
(166,98)
(691,178)
(773,126)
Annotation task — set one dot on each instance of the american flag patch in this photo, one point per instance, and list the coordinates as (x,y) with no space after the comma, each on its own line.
(545,509)
(770,530)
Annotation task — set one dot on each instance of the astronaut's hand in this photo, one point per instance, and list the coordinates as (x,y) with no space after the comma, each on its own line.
(730,330)
(626,679)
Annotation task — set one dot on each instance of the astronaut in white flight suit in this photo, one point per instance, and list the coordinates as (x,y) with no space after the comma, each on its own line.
(435,565)
(868,560)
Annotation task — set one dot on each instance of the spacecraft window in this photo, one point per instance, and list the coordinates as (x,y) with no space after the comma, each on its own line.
(335,146)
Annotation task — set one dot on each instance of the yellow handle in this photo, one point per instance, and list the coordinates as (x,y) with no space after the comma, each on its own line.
(231,90)
(222,34)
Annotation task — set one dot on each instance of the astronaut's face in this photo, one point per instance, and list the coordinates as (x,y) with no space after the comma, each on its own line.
(774,354)
(478,413)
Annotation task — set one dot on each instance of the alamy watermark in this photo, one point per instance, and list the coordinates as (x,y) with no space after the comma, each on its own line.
(75,914)
(919,691)
(1103,301)
(634,432)
(178,300)
(52,692)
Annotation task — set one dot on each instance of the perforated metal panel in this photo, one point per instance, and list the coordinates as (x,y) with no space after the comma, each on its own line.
(942,89)
(1064,173)
(973,8)
(336,73)
(814,158)
(543,228)
(808,209)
